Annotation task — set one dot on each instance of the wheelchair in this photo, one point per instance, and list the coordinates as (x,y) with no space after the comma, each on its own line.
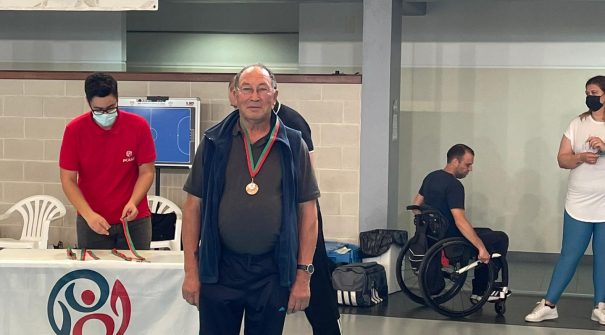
(442,278)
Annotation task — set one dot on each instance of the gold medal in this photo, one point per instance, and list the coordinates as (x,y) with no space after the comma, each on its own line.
(252,188)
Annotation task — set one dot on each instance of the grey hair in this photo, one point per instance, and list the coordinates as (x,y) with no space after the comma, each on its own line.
(258,65)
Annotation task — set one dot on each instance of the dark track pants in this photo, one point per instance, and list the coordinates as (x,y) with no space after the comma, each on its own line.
(248,287)
(322,312)
(494,241)
(140,233)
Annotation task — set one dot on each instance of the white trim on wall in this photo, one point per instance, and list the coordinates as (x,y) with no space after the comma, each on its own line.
(534,55)
(79,5)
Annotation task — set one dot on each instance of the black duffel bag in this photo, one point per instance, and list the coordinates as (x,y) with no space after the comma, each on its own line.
(360,284)
(376,242)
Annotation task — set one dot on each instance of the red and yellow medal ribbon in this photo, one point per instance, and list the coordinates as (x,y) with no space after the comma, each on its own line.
(83,252)
(130,244)
(253,167)
(115,251)
(70,254)
(95,257)
(89,253)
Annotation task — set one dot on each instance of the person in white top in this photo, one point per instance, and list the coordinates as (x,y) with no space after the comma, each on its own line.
(581,151)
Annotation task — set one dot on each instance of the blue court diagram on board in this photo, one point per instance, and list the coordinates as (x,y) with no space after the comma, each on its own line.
(171,131)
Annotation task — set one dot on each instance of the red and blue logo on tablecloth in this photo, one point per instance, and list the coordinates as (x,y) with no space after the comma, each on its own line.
(89,304)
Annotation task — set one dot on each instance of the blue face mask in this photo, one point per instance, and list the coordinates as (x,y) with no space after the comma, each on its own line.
(105,120)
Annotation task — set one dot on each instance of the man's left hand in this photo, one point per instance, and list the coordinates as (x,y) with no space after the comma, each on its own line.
(300,293)
(130,212)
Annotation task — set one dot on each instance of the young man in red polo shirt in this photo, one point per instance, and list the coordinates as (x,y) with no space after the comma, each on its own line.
(106,168)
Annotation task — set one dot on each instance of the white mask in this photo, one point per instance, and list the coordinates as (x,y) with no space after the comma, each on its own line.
(106,119)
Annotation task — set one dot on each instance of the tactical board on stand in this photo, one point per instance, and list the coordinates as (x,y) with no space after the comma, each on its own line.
(174,126)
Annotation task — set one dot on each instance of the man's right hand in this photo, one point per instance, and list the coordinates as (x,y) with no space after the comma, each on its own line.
(98,224)
(191,290)
(484,255)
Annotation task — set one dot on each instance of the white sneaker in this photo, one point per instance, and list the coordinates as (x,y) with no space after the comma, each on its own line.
(598,314)
(542,312)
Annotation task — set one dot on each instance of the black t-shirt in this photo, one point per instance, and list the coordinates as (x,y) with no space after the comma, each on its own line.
(442,191)
(294,120)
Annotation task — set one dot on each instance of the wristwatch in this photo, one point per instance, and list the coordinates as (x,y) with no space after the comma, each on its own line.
(308,268)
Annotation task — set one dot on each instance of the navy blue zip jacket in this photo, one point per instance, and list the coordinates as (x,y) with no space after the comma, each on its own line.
(217,144)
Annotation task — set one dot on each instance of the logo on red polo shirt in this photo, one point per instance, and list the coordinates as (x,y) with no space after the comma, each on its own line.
(129,157)
(90,305)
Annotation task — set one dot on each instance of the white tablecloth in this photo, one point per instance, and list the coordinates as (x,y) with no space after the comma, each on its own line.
(43,292)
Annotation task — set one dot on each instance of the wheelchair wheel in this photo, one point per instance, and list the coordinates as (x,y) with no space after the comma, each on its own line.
(407,275)
(444,285)
(500,307)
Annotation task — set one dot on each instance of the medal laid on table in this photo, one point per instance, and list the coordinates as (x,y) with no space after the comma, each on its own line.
(252,188)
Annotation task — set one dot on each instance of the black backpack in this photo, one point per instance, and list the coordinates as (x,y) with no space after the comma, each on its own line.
(360,284)
(163,226)
(431,226)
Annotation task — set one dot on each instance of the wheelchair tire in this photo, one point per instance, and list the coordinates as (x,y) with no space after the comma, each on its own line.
(441,262)
(407,278)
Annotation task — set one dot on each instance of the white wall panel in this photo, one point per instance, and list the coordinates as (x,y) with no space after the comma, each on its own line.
(63,40)
(79,5)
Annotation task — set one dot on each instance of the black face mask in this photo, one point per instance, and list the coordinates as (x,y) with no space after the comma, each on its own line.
(593,102)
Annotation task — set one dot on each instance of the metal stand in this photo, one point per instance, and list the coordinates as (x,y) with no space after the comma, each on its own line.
(157,181)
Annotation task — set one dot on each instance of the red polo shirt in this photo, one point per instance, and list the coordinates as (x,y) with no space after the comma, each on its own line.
(107,161)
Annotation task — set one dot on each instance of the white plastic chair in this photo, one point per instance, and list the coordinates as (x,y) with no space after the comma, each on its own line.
(37,212)
(161,205)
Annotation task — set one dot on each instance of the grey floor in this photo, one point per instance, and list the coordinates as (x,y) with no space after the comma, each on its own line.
(528,280)
(363,325)
(533,277)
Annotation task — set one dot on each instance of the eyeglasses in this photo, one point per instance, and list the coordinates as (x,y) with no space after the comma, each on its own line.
(100,111)
(249,90)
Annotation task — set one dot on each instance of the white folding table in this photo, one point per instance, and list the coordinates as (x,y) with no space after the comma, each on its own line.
(44,292)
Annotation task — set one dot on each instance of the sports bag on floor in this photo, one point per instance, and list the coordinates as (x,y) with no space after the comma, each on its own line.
(360,284)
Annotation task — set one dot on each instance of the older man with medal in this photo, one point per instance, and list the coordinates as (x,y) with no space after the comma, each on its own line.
(250,217)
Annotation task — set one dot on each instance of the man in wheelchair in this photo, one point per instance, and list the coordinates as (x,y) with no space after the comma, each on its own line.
(443,191)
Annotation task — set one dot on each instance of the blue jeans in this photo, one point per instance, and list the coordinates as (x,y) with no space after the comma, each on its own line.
(576,236)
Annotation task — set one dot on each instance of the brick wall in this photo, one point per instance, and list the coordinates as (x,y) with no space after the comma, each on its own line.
(33,114)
